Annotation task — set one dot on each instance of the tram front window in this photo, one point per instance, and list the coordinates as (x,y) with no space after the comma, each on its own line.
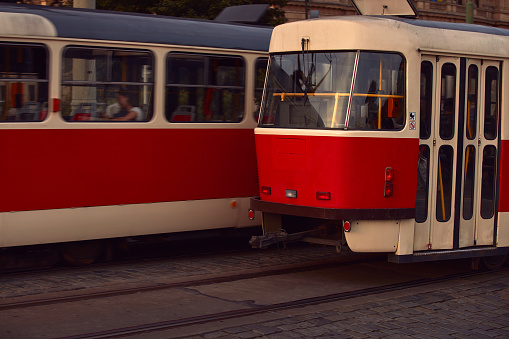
(343,90)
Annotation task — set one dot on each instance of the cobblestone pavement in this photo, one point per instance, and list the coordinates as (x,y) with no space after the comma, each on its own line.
(157,271)
(478,308)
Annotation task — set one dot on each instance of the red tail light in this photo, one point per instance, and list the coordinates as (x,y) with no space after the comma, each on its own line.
(323,195)
(389,174)
(388,189)
(266,190)
(251,214)
(346,226)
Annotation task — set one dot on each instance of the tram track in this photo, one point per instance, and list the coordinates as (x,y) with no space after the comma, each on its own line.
(287,269)
(222,316)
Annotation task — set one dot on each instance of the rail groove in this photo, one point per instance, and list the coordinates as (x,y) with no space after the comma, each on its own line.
(167,325)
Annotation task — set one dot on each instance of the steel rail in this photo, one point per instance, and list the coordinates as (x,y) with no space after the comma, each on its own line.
(286,269)
(167,325)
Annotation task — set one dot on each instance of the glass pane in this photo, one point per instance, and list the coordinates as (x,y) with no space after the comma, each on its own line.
(444,183)
(314,90)
(491,104)
(447,101)
(469,183)
(421,209)
(472,85)
(107,85)
(107,103)
(186,70)
(426,98)
(23,83)
(488,182)
(379,91)
(203,88)
(260,70)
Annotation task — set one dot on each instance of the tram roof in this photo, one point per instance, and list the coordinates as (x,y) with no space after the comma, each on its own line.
(118,26)
(390,33)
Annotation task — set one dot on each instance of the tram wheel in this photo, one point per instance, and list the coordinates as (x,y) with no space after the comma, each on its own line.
(81,253)
(494,262)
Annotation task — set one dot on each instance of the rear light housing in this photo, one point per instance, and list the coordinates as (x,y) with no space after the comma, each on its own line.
(323,195)
(347,226)
(251,214)
(389,174)
(388,190)
(291,194)
(266,190)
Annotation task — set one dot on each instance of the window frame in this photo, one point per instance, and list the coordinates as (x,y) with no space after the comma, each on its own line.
(71,83)
(205,85)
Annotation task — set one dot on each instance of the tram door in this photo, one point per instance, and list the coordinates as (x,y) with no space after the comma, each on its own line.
(480,153)
(456,208)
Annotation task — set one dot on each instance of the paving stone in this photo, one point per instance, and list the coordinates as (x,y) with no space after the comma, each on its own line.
(265,330)
(248,334)
(313,332)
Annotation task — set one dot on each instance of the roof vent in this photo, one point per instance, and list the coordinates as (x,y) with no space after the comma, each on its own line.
(403,8)
(244,14)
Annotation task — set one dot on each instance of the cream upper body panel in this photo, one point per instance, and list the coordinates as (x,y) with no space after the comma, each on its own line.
(389,34)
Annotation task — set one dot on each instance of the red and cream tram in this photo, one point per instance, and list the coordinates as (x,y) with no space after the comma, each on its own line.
(387,133)
(72,170)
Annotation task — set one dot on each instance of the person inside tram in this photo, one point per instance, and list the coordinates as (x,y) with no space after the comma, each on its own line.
(126,109)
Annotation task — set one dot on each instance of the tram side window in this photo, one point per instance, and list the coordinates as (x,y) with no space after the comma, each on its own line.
(101,84)
(204,88)
(23,82)
(426,99)
(260,71)
(491,104)
(447,101)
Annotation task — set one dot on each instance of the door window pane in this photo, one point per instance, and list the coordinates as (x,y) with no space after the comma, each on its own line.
(488,182)
(469,184)
(447,101)
(491,103)
(205,88)
(426,98)
(421,213)
(444,183)
(23,82)
(472,85)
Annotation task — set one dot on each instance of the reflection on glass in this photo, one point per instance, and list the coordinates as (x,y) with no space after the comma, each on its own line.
(343,90)
(444,183)
(491,103)
(469,183)
(447,101)
(107,85)
(23,82)
(421,209)
(204,88)
(426,99)
(471,123)
(488,182)
(260,70)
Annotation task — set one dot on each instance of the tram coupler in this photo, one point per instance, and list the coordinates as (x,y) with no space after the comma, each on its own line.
(264,241)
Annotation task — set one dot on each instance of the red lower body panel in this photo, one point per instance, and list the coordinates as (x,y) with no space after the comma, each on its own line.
(50,169)
(351,169)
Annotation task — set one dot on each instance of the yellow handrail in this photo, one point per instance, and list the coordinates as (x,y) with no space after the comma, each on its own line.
(283,95)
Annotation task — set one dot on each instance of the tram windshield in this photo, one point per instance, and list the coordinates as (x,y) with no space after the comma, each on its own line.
(352,90)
